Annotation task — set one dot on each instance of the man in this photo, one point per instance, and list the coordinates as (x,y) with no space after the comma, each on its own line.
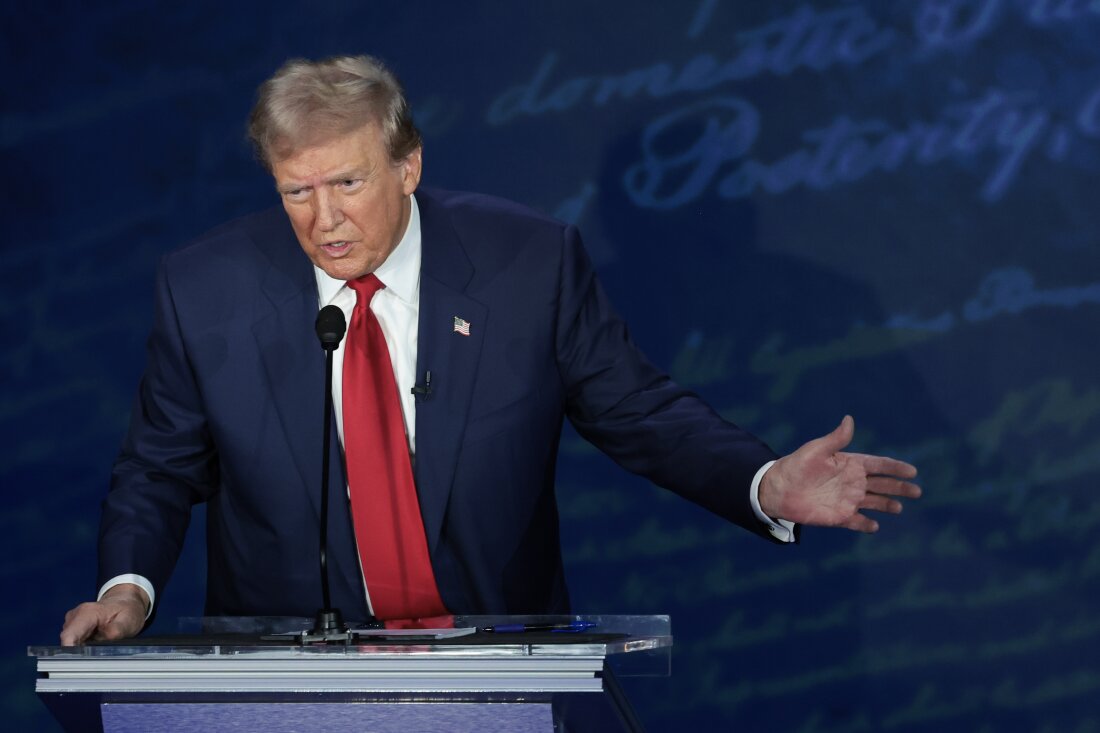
(488,312)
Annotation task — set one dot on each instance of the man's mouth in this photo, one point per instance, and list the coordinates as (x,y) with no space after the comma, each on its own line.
(335,249)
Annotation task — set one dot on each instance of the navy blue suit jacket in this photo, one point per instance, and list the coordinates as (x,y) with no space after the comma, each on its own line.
(229,412)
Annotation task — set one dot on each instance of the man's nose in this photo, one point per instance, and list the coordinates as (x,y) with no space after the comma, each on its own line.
(329,214)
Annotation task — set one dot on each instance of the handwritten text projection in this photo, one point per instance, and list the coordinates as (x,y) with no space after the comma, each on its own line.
(707,143)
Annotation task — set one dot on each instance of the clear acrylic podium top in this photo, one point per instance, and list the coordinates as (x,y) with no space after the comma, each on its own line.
(635,645)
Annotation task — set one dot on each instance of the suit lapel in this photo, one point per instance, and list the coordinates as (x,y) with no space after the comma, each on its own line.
(294,369)
(451,357)
(294,365)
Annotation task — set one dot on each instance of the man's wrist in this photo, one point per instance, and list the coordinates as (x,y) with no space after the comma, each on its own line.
(138,585)
(127,592)
(781,529)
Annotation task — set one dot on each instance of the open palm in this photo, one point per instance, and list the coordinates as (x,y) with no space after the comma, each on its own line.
(820,485)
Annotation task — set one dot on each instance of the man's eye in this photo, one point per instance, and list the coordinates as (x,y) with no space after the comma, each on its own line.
(350,183)
(296,194)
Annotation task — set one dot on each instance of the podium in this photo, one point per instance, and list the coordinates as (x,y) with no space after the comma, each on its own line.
(236,674)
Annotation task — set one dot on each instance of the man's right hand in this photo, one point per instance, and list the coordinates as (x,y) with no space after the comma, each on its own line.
(119,614)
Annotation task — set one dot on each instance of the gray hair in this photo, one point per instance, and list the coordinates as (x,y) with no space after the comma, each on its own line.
(309,102)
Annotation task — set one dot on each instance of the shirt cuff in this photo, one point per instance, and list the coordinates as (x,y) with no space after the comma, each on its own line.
(780,529)
(139,580)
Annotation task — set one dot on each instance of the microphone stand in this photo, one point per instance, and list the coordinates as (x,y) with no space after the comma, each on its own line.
(328,624)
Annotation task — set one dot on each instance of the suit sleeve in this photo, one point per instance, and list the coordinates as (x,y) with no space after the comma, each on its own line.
(636,414)
(167,461)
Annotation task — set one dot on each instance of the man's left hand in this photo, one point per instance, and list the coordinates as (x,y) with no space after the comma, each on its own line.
(819,485)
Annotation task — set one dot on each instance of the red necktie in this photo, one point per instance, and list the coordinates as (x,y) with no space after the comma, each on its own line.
(384,506)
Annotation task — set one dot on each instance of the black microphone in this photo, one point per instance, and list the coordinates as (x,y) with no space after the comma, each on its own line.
(330,327)
(329,623)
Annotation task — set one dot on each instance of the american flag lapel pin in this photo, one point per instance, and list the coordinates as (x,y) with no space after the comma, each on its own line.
(462,326)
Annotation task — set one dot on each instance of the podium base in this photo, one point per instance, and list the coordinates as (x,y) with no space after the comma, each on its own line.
(607,712)
(289,717)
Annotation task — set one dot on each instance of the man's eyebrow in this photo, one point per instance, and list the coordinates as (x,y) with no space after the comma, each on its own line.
(347,175)
(344,175)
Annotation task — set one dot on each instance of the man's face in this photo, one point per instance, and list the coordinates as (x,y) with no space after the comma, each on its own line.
(347,201)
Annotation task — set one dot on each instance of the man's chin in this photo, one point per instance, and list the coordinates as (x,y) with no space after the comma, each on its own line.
(341,274)
(342,268)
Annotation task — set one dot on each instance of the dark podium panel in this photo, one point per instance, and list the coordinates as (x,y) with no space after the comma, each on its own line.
(238,674)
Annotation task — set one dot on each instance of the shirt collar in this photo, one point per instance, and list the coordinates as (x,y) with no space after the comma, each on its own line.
(400,272)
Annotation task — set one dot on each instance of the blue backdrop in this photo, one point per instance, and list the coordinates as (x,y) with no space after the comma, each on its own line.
(803,209)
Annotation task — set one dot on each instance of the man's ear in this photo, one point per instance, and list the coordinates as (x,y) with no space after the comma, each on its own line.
(412,165)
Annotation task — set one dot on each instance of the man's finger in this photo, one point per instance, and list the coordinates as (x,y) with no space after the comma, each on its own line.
(836,440)
(839,438)
(860,523)
(79,625)
(878,503)
(883,466)
(889,486)
(111,632)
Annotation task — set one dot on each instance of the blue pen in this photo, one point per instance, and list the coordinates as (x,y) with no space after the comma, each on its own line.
(572,627)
